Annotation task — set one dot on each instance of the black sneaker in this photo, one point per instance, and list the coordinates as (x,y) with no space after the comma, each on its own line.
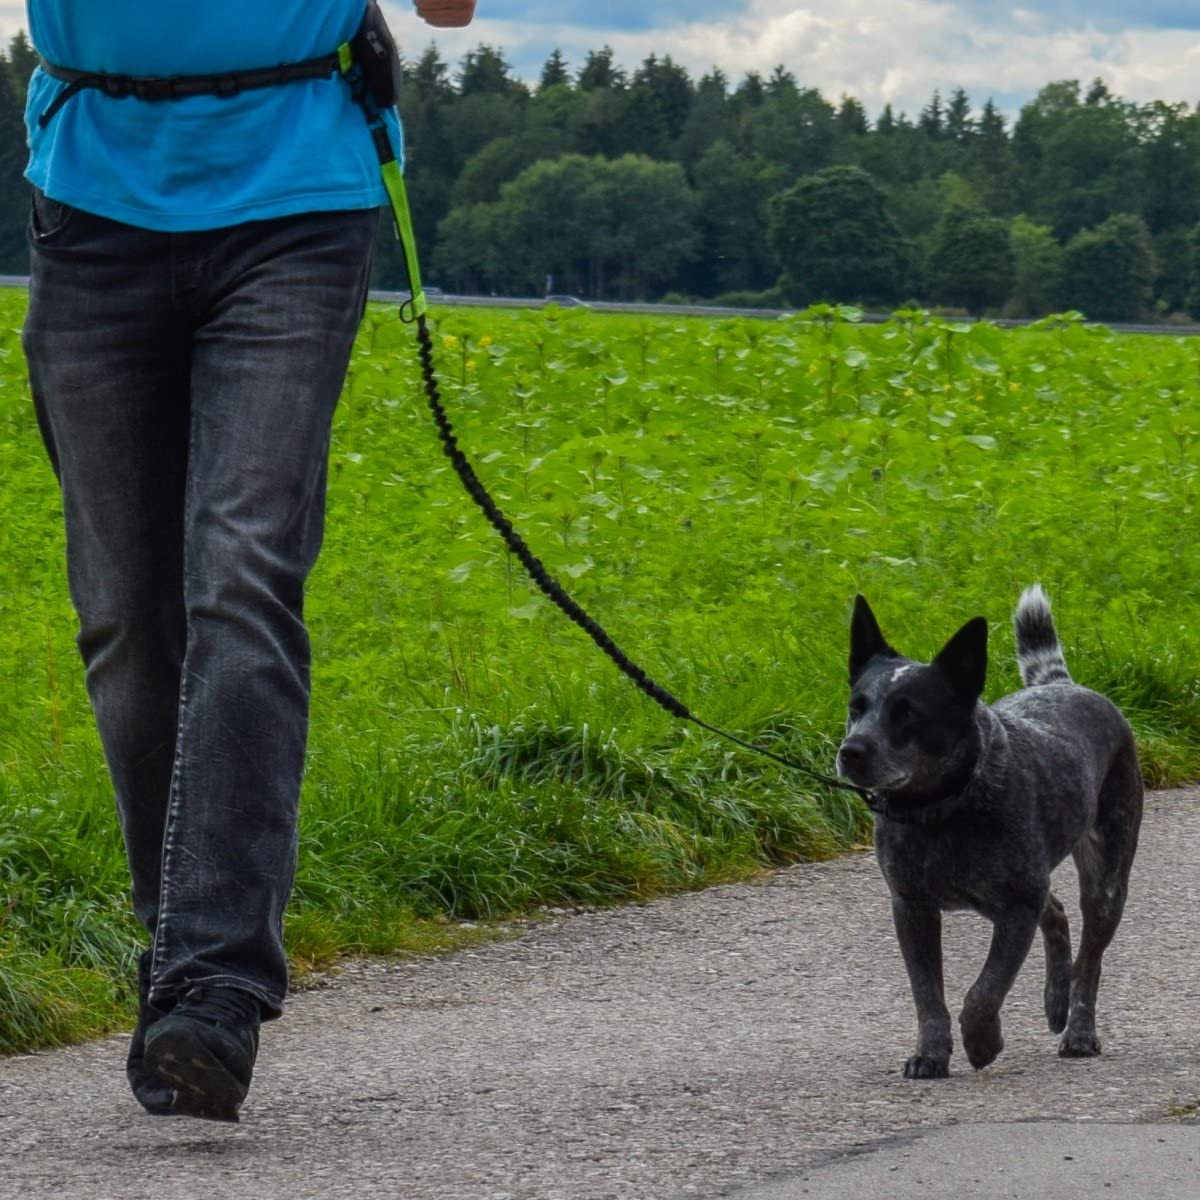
(204,1050)
(152,1093)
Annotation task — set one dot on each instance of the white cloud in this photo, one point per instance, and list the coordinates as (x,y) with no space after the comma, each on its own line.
(12,18)
(881,51)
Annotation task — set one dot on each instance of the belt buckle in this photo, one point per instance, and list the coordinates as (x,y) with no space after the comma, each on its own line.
(154,88)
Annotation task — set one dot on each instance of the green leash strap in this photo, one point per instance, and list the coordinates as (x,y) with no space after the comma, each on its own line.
(393,179)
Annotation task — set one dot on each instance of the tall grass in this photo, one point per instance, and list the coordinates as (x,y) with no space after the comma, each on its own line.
(715,493)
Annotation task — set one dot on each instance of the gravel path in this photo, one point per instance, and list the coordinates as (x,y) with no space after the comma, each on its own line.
(694,1047)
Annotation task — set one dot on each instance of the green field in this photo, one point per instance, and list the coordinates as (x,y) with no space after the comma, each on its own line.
(714,492)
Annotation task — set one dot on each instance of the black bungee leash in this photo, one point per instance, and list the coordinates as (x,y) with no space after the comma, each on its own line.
(413,311)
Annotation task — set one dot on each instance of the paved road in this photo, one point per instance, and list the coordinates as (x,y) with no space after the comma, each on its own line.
(690,310)
(1048,1160)
(745,1041)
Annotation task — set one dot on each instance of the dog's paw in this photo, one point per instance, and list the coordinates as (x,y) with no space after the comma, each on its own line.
(921,1066)
(1079,1043)
(1058,1000)
(981,1038)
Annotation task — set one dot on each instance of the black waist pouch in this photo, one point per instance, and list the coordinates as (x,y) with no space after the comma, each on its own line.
(375,51)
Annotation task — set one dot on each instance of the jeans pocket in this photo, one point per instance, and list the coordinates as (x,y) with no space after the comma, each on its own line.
(47,218)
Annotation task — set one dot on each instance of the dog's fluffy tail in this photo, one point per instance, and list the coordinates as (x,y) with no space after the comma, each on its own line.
(1039,655)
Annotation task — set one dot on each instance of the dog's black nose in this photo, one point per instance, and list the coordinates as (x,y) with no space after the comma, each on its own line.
(852,756)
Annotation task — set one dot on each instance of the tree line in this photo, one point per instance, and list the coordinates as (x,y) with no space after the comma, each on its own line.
(641,184)
(610,183)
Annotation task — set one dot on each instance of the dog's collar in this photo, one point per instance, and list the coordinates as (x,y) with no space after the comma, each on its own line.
(935,811)
(932,813)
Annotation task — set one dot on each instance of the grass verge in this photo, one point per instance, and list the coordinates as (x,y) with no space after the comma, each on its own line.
(715,492)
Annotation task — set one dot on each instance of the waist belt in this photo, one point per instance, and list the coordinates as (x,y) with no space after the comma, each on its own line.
(369,62)
(176,87)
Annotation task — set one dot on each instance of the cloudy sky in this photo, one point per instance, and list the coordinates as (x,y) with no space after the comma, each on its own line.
(878,50)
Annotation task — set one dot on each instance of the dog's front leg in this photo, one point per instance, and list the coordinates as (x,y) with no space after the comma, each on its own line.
(1012,936)
(919,931)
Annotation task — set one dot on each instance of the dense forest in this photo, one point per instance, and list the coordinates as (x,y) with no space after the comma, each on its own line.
(607,182)
(647,183)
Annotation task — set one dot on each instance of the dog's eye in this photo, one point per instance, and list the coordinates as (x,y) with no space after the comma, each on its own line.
(858,706)
(901,711)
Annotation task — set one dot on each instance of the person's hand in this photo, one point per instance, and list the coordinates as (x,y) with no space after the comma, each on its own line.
(445,14)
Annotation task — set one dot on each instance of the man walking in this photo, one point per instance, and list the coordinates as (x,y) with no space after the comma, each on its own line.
(199,267)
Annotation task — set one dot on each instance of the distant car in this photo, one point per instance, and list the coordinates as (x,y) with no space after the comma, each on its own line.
(567,301)
(433,291)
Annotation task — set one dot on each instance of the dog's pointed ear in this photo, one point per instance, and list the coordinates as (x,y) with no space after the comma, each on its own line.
(963,659)
(866,638)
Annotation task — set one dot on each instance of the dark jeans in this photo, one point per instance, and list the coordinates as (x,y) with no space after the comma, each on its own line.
(184,386)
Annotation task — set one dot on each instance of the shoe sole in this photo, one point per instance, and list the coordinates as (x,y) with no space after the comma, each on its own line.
(156,1098)
(203,1087)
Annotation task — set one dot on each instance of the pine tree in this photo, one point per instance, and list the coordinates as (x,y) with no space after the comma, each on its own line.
(22,60)
(782,84)
(852,118)
(959,125)
(670,89)
(554,72)
(710,118)
(750,92)
(932,120)
(429,78)
(14,191)
(992,161)
(598,72)
(485,72)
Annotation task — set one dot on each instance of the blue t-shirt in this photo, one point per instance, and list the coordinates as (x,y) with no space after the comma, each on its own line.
(205,161)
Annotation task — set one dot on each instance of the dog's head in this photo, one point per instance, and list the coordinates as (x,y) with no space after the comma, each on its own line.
(910,725)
